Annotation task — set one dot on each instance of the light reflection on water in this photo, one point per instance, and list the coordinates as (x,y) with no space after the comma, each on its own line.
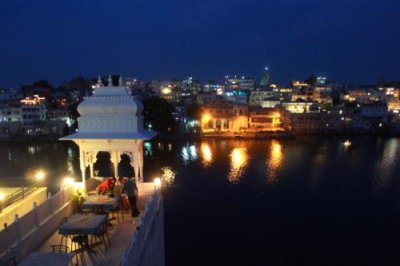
(239,162)
(206,153)
(384,167)
(230,157)
(275,161)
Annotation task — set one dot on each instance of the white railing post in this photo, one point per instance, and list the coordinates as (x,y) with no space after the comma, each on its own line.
(49,203)
(17,229)
(35,214)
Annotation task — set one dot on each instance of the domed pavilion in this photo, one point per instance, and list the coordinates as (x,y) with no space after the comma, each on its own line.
(110,120)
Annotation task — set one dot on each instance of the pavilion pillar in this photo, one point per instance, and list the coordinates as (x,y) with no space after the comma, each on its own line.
(134,161)
(115,160)
(82,166)
(92,160)
(140,160)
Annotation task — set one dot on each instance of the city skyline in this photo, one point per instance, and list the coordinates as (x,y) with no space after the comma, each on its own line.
(348,41)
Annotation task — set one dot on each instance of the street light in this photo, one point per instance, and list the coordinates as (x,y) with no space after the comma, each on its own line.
(157,183)
(40,175)
(68,182)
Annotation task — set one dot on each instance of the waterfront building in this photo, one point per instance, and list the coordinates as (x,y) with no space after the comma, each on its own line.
(61,114)
(10,112)
(33,113)
(266,119)
(298,106)
(223,117)
(377,112)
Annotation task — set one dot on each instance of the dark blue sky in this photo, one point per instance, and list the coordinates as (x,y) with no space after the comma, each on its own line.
(347,40)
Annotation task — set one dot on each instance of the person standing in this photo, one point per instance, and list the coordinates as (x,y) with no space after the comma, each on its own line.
(130,189)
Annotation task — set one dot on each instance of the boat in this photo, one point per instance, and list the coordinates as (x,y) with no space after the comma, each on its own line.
(347,143)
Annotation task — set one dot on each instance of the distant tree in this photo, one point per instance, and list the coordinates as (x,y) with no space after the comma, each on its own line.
(194,111)
(42,83)
(159,114)
(311,80)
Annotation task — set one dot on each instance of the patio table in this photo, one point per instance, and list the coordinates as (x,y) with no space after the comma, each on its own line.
(82,224)
(101,202)
(43,259)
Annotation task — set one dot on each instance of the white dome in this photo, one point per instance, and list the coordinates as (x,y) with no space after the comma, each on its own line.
(110,109)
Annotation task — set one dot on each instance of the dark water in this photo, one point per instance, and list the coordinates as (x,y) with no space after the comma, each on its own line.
(300,202)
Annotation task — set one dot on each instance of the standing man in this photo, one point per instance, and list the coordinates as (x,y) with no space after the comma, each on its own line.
(130,189)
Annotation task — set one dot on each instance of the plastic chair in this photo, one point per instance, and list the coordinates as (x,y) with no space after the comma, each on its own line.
(59,248)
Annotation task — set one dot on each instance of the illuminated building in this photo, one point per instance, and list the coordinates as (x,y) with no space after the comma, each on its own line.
(257,97)
(190,86)
(33,113)
(265,119)
(242,83)
(223,117)
(298,106)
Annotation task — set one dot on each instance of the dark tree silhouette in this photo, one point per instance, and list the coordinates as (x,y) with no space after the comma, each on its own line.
(159,114)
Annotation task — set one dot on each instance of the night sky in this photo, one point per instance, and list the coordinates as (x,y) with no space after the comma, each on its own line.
(354,41)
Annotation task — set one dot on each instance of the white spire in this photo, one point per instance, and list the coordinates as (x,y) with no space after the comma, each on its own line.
(99,82)
(109,81)
(121,84)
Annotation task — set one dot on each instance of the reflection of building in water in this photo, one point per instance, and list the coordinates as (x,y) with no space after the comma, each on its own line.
(189,153)
(168,175)
(206,153)
(70,160)
(385,166)
(239,162)
(274,162)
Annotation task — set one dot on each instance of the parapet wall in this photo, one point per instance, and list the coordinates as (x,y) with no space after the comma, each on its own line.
(147,244)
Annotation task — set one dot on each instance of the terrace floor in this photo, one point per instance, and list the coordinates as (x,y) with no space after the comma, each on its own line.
(120,233)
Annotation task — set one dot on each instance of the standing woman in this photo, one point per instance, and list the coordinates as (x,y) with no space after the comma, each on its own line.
(130,189)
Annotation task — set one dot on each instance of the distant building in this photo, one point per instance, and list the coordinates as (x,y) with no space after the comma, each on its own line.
(239,96)
(190,86)
(60,114)
(257,97)
(265,80)
(235,83)
(298,106)
(205,97)
(9,95)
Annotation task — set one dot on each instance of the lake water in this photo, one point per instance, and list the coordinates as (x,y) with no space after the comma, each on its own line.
(309,201)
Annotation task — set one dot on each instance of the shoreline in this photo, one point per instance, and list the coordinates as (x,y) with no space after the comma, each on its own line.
(198,137)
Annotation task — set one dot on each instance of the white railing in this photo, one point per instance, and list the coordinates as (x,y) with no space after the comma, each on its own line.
(134,255)
(29,230)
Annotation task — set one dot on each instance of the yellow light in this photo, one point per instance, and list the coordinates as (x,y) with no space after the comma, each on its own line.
(68,182)
(2,196)
(40,175)
(166,91)
(79,186)
(206,117)
(157,182)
